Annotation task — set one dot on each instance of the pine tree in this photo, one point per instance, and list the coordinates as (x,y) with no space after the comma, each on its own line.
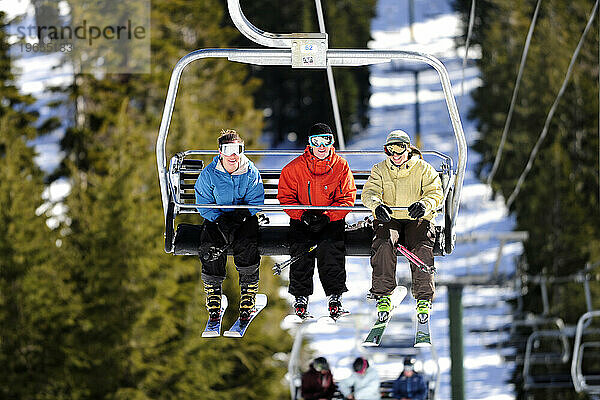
(31,290)
(137,334)
(558,204)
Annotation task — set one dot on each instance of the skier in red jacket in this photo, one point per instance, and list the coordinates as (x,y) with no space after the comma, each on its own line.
(318,177)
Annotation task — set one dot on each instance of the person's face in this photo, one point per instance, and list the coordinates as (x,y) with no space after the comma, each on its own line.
(321,145)
(230,155)
(397,152)
(408,372)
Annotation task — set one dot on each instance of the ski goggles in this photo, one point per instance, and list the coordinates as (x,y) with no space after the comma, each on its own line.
(398,149)
(228,149)
(321,140)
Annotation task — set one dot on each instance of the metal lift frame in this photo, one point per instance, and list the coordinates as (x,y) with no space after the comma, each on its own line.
(287,49)
(579,379)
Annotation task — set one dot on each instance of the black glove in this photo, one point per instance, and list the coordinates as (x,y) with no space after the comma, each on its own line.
(383,213)
(228,223)
(242,214)
(416,210)
(315,221)
(209,252)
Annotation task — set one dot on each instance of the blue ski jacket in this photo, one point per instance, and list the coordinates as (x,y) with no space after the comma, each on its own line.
(413,388)
(217,186)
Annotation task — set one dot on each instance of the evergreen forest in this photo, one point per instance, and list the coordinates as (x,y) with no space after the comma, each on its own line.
(558,203)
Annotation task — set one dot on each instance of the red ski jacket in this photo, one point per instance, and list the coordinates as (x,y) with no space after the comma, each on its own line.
(306,180)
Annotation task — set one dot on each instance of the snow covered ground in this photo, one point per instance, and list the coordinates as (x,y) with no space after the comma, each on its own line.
(392,107)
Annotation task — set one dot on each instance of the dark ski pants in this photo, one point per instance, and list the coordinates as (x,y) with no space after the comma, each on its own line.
(418,236)
(245,252)
(330,255)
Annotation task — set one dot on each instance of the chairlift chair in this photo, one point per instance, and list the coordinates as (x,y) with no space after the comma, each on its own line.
(547,379)
(298,50)
(586,383)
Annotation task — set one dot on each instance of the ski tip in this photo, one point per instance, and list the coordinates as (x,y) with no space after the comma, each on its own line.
(232,334)
(292,319)
(210,334)
(423,344)
(369,344)
(261,300)
(327,320)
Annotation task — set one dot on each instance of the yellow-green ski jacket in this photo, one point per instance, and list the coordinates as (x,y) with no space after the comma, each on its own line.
(415,180)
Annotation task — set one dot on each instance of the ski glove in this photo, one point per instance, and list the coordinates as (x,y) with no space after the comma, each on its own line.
(209,252)
(242,214)
(229,222)
(383,213)
(315,221)
(416,210)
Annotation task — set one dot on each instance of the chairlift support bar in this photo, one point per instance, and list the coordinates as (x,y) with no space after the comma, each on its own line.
(335,57)
(579,379)
(286,56)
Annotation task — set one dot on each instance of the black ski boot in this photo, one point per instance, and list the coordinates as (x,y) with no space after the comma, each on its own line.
(301,307)
(213,301)
(335,306)
(247,299)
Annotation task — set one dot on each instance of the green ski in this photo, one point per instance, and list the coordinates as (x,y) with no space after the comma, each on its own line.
(376,334)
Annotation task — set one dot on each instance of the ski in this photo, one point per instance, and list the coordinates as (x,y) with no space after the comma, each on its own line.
(213,328)
(297,320)
(240,326)
(422,334)
(376,333)
(330,320)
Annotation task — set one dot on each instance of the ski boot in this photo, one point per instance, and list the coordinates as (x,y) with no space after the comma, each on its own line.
(384,307)
(247,300)
(335,306)
(213,301)
(423,307)
(301,307)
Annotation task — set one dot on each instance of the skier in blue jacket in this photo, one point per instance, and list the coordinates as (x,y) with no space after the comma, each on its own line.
(230,179)
(409,385)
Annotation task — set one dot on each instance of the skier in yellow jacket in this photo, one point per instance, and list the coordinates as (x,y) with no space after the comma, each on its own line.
(403,179)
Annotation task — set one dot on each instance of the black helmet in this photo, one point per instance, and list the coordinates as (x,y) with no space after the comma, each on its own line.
(360,365)
(409,362)
(320,364)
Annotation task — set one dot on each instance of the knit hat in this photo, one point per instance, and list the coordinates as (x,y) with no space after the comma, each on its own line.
(408,363)
(320,364)
(397,136)
(319,128)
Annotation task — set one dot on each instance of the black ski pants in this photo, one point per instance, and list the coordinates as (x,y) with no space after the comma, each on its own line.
(330,255)
(245,252)
(418,236)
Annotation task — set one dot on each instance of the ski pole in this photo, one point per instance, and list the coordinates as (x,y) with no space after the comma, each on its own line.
(412,257)
(279,267)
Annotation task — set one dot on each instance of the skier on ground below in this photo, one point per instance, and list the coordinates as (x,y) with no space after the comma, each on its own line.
(403,179)
(231,178)
(318,177)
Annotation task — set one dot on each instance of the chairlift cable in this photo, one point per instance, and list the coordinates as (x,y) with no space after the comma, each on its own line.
(513,100)
(331,81)
(466,56)
(538,144)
